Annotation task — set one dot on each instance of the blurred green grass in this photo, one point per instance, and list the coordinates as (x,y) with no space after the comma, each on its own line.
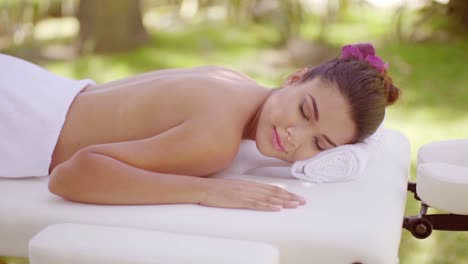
(432,76)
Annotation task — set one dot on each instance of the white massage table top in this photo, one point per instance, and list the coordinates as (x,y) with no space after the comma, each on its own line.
(358,221)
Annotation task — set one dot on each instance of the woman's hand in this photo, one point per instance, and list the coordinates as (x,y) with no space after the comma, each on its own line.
(233,193)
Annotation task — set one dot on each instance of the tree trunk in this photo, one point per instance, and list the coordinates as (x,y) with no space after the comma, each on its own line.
(110,25)
(458,14)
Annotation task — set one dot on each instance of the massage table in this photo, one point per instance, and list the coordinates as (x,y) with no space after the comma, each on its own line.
(359,221)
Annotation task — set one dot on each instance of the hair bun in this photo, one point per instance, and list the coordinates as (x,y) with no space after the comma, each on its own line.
(392,93)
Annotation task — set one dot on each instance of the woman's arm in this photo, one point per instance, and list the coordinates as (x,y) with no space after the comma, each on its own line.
(104,180)
(98,179)
(130,173)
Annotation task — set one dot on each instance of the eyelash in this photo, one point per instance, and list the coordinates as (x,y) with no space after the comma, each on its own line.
(317,145)
(302,111)
(306,118)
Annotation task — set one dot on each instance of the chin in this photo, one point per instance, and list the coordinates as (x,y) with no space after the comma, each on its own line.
(271,153)
(285,159)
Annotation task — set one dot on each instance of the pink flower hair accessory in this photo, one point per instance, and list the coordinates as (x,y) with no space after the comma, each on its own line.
(366,52)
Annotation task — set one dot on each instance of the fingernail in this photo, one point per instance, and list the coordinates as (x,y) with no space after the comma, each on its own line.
(277,207)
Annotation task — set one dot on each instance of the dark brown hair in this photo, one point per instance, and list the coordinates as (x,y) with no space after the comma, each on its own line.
(367,90)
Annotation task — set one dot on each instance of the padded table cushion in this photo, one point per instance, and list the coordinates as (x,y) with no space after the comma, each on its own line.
(91,244)
(442,180)
(358,221)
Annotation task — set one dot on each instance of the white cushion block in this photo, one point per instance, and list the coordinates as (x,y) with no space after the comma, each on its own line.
(357,221)
(91,244)
(444,186)
(442,175)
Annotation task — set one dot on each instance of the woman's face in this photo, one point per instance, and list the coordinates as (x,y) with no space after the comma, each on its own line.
(302,119)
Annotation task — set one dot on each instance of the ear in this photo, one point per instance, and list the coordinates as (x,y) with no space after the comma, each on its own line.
(296,77)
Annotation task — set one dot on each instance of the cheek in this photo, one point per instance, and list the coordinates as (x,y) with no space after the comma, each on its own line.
(285,116)
(278,108)
(271,118)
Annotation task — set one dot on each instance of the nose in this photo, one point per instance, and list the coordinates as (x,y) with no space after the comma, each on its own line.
(297,135)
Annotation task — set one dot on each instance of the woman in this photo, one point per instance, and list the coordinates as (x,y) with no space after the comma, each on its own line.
(154,138)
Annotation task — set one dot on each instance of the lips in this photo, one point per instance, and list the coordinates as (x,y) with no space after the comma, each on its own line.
(277,143)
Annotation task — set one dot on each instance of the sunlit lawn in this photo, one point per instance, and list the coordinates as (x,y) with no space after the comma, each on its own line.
(433,78)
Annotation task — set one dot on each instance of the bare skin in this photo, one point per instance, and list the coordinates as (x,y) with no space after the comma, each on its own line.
(153,139)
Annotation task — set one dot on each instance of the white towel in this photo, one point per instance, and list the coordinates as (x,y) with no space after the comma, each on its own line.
(33,107)
(340,164)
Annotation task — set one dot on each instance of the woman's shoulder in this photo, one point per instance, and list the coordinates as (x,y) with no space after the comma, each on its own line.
(220,89)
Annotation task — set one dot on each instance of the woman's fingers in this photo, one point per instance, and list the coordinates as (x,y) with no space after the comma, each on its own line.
(249,195)
(283,203)
(283,194)
(263,206)
(278,196)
